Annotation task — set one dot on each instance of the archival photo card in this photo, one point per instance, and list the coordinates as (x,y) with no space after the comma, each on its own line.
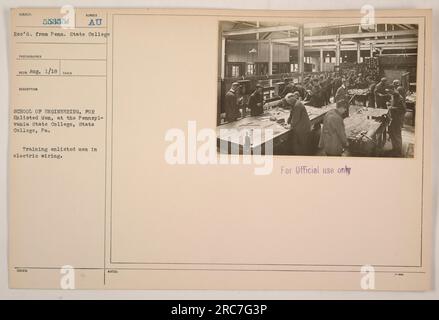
(220,149)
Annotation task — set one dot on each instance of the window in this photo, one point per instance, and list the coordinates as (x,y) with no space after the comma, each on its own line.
(250,69)
(235,71)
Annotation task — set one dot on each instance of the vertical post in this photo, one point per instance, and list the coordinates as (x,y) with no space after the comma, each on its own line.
(301,53)
(371,50)
(358,52)
(257,33)
(321,59)
(270,58)
(223,57)
(337,52)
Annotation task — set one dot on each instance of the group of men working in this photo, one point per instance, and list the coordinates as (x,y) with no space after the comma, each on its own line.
(318,92)
(381,95)
(394,98)
(317,89)
(234,102)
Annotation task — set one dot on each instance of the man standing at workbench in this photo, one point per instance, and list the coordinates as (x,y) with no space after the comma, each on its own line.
(256,101)
(290,87)
(382,95)
(371,94)
(396,84)
(397,112)
(336,84)
(333,138)
(316,94)
(341,96)
(232,103)
(300,124)
(327,87)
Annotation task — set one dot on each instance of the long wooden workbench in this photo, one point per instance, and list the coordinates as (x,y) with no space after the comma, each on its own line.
(366,130)
(233,133)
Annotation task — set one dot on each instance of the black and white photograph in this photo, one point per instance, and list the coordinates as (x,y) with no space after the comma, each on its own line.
(321,89)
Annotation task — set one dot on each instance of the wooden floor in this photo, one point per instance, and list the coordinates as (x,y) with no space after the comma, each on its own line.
(408,142)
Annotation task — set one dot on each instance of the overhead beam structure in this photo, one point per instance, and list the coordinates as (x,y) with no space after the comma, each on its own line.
(364,35)
(258,30)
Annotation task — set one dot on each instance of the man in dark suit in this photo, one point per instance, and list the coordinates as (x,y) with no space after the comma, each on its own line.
(397,112)
(333,137)
(336,84)
(290,87)
(256,101)
(342,91)
(232,103)
(341,96)
(327,87)
(300,124)
(382,95)
(301,89)
(316,94)
(371,95)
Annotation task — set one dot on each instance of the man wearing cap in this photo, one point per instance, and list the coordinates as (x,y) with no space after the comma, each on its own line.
(300,124)
(231,103)
(382,94)
(333,137)
(289,88)
(256,101)
(336,83)
(327,87)
(316,94)
(301,90)
(396,84)
(371,94)
(342,92)
(397,112)
(341,96)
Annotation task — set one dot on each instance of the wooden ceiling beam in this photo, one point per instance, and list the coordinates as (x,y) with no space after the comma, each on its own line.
(258,30)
